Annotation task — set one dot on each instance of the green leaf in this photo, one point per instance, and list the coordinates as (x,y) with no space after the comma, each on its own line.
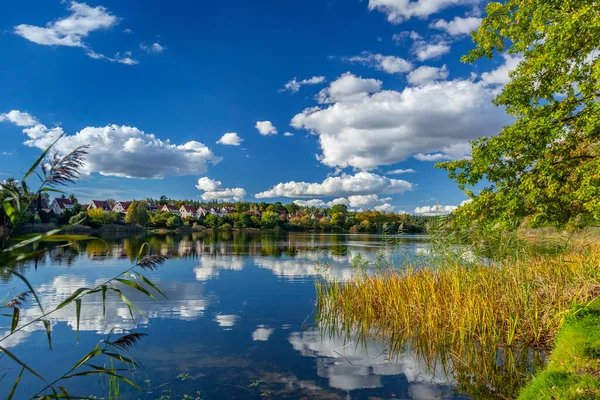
(136,286)
(15,320)
(104,288)
(34,239)
(21,363)
(48,328)
(149,283)
(78,313)
(120,358)
(26,282)
(72,297)
(14,388)
(39,160)
(96,351)
(128,303)
(10,211)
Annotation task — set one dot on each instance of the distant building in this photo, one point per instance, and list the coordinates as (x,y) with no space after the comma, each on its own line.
(187,211)
(121,207)
(201,212)
(99,205)
(170,208)
(59,205)
(152,208)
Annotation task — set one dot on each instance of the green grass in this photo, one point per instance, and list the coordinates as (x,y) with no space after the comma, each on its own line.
(573,370)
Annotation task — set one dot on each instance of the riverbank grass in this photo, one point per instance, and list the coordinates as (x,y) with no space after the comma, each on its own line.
(512,302)
(573,370)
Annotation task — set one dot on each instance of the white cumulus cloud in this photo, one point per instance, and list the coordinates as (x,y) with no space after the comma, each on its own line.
(294,85)
(458,26)
(389,64)
(401,171)
(427,51)
(19,118)
(71,31)
(398,11)
(500,76)
(386,208)
(119,150)
(435,210)
(426,74)
(154,48)
(373,127)
(266,128)
(288,134)
(230,139)
(344,185)
(213,191)
(348,88)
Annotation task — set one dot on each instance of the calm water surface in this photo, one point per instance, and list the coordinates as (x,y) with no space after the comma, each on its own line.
(238,322)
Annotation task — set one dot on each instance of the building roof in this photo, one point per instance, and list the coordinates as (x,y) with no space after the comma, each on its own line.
(124,204)
(171,208)
(189,209)
(100,204)
(64,203)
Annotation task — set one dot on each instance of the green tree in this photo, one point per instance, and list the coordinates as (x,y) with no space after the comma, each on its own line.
(269,219)
(339,220)
(339,208)
(173,222)
(546,165)
(137,214)
(211,221)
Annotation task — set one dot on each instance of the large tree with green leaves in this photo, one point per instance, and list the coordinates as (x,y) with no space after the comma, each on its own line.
(545,166)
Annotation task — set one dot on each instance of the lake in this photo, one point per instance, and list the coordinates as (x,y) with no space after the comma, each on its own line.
(238,321)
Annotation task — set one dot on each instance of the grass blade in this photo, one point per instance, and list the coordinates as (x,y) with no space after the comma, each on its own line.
(14,388)
(78,313)
(15,320)
(21,363)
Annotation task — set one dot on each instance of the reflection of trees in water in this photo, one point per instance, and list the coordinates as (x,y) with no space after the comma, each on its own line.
(305,248)
(483,372)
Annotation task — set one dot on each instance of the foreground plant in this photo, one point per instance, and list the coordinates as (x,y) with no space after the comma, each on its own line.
(55,171)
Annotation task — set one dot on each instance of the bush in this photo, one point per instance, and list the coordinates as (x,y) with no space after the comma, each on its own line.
(173,222)
(226,227)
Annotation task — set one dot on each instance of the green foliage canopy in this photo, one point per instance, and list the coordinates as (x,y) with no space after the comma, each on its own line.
(545,166)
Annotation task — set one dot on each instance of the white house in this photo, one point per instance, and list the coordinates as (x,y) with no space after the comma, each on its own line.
(188,211)
(99,205)
(59,205)
(170,208)
(201,212)
(121,206)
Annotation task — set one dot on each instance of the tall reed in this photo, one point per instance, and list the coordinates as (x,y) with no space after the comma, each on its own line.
(511,302)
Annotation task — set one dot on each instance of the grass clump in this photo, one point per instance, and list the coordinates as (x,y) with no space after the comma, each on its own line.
(573,370)
(511,302)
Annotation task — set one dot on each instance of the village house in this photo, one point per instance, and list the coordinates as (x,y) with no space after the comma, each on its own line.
(99,205)
(121,207)
(170,208)
(188,211)
(59,205)
(152,208)
(201,212)
(215,211)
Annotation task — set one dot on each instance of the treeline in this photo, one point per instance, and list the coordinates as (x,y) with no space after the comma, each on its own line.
(240,215)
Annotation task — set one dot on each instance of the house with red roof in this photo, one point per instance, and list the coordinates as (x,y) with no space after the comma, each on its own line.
(99,205)
(188,211)
(59,205)
(121,207)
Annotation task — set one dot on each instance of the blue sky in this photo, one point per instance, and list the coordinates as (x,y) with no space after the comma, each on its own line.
(373,87)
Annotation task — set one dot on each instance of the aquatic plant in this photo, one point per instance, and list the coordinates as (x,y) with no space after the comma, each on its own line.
(55,171)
